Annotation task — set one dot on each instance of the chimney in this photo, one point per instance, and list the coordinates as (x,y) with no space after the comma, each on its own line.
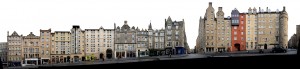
(125,22)
(220,8)
(283,8)
(7,33)
(267,9)
(259,10)
(210,4)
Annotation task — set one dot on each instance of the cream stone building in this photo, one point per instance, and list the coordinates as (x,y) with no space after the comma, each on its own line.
(77,46)
(31,49)
(251,29)
(223,36)
(272,28)
(14,42)
(99,41)
(45,46)
(61,43)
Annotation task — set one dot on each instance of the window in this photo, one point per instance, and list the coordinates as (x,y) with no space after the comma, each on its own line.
(169,32)
(235,33)
(169,27)
(235,38)
(176,32)
(234,27)
(248,22)
(176,27)
(242,33)
(248,32)
(242,22)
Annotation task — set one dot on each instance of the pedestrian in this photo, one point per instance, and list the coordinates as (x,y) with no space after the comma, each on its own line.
(103,58)
(170,53)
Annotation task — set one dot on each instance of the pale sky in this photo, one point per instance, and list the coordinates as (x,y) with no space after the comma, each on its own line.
(25,16)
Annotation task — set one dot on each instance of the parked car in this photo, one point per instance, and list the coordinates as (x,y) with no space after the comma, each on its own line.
(278,49)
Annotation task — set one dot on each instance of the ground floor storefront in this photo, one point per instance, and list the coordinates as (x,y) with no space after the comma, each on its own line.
(175,50)
(67,58)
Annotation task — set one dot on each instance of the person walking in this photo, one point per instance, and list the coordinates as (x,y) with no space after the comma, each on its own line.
(170,53)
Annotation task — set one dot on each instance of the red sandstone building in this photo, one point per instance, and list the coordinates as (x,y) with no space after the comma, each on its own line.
(238,34)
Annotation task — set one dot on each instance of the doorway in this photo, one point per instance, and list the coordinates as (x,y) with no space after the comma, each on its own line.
(238,47)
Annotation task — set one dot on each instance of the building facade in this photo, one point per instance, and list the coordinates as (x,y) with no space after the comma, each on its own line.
(99,41)
(238,31)
(125,41)
(77,44)
(31,49)
(3,51)
(283,28)
(251,29)
(14,42)
(45,46)
(223,31)
(201,39)
(61,47)
(268,28)
(143,40)
(175,39)
(214,32)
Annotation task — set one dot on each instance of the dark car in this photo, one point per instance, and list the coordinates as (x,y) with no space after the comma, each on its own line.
(278,49)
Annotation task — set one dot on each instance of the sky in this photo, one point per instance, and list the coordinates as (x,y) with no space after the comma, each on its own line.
(25,16)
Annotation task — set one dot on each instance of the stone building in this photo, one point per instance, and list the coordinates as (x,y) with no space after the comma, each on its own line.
(125,41)
(77,40)
(175,38)
(45,46)
(142,42)
(3,51)
(223,31)
(14,42)
(251,29)
(214,32)
(31,49)
(99,41)
(61,44)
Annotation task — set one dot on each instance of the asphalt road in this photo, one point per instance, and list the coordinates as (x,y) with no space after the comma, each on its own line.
(173,57)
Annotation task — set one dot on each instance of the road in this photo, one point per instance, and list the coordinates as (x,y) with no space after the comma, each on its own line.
(173,57)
